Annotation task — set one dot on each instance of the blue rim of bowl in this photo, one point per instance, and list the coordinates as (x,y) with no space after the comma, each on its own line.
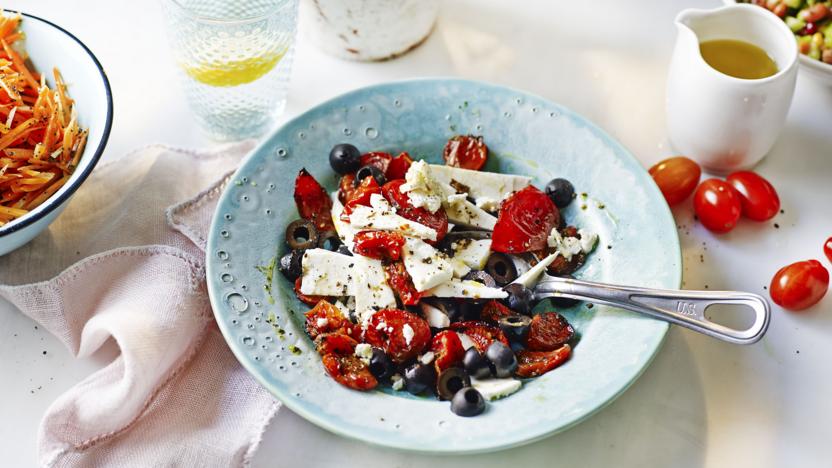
(335,428)
(52,203)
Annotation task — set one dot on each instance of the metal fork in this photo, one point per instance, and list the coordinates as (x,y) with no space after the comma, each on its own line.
(685,308)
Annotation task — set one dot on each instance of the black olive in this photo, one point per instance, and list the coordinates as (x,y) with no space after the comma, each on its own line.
(470,310)
(381,366)
(301,234)
(502,358)
(560,191)
(367,171)
(448,307)
(344,158)
(329,240)
(475,364)
(501,268)
(291,265)
(419,377)
(481,277)
(344,250)
(450,381)
(515,327)
(519,298)
(467,402)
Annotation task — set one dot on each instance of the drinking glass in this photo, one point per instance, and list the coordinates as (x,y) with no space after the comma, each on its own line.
(234,58)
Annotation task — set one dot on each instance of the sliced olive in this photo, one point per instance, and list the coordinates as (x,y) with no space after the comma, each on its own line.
(450,381)
(367,171)
(381,366)
(502,359)
(468,402)
(301,234)
(329,240)
(519,298)
(515,327)
(290,265)
(476,364)
(482,277)
(501,268)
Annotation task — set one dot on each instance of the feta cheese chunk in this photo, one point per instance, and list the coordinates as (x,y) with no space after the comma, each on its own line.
(382,217)
(370,288)
(408,333)
(435,317)
(423,190)
(467,214)
(364,352)
(466,289)
(492,389)
(588,240)
(570,246)
(345,230)
(397,382)
(326,273)
(466,340)
(530,277)
(473,253)
(460,268)
(427,266)
(489,186)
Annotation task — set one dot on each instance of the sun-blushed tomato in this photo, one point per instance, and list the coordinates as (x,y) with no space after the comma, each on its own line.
(466,151)
(313,202)
(494,310)
(386,330)
(346,187)
(360,196)
(438,221)
(526,218)
(800,285)
(326,318)
(310,300)
(717,204)
(447,349)
(481,333)
(548,331)
(398,166)
(827,249)
(535,363)
(341,364)
(676,177)
(402,284)
(381,245)
(379,159)
(758,197)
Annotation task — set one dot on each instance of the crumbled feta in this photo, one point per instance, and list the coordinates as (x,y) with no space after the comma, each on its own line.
(427,358)
(566,246)
(381,326)
(588,240)
(408,333)
(321,322)
(364,352)
(397,382)
(435,317)
(423,190)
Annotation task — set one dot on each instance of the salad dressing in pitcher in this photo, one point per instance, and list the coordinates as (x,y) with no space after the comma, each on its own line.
(736,58)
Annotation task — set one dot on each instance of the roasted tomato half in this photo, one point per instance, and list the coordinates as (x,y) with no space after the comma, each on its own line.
(379,159)
(326,318)
(341,364)
(447,349)
(548,331)
(313,202)
(310,300)
(402,284)
(401,334)
(360,196)
(381,245)
(346,187)
(494,310)
(466,151)
(481,333)
(525,221)
(535,363)
(398,167)
(437,221)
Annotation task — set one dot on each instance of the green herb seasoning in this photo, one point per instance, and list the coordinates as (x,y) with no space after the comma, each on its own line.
(268,273)
(295,350)
(272,320)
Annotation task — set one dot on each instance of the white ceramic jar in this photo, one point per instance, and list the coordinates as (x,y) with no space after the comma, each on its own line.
(728,123)
(368,29)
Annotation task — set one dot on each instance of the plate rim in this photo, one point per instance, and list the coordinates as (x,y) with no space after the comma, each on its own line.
(325,423)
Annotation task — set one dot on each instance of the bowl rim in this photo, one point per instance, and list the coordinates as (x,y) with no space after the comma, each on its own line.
(54,202)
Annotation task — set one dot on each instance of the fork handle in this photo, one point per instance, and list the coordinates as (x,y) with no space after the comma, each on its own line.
(685,308)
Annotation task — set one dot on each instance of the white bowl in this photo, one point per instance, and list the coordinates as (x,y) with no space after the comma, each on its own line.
(816,68)
(48,46)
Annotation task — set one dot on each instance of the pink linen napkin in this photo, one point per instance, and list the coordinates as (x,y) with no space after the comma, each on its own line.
(126,261)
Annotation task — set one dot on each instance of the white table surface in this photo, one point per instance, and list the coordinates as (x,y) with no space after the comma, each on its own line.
(701,402)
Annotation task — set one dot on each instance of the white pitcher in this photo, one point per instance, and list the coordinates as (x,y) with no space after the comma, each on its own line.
(723,122)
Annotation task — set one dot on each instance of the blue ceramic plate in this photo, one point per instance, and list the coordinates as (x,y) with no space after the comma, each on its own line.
(262,321)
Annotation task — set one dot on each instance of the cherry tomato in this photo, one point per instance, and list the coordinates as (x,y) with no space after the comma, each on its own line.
(759,199)
(526,218)
(676,177)
(535,363)
(341,364)
(400,281)
(800,285)
(313,202)
(378,159)
(548,332)
(447,349)
(381,245)
(346,187)
(717,204)
(360,196)
(386,331)
(467,152)
(827,249)
(481,333)
(310,300)
(398,167)
(494,310)
(325,318)
(437,221)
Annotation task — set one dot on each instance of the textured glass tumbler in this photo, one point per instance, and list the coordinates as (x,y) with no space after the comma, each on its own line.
(235,58)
